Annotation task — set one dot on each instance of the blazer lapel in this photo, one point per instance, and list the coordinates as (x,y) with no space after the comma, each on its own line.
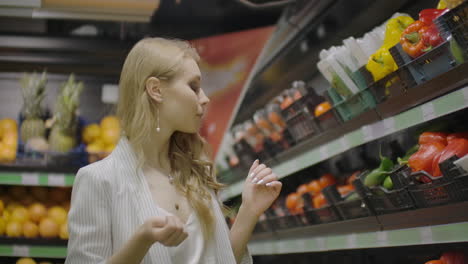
(127,163)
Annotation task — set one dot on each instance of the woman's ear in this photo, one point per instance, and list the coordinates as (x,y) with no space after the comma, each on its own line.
(153,88)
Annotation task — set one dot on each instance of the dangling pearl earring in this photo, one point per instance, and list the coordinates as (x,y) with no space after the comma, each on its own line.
(158,128)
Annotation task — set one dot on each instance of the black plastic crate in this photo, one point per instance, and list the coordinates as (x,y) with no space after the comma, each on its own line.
(427,66)
(448,188)
(353,106)
(454,24)
(392,85)
(284,222)
(328,120)
(300,120)
(262,226)
(382,201)
(348,209)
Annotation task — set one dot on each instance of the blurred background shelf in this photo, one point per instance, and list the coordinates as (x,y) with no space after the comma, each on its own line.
(311,152)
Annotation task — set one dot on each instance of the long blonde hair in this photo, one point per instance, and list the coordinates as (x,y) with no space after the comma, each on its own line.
(188,153)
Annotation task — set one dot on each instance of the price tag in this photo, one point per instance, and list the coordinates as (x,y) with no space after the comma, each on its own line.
(465,95)
(56,179)
(367,132)
(321,243)
(352,241)
(426,235)
(30,178)
(344,143)
(389,125)
(324,152)
(428,111)
(21,251)
(382,237)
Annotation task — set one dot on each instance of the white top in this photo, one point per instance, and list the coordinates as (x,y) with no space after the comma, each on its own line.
(111,199)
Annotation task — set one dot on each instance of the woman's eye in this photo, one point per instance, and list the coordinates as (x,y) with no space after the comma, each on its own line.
(195,88)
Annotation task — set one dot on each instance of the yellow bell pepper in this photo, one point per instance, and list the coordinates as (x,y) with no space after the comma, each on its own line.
(381,64)
(394,28)
(442,4)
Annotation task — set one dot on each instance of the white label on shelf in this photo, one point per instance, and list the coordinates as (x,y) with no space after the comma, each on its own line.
(352,241)
(299,245)
(428,111)
(21,251)
(321,243)
(382,237)
(389,125)
(344,143)
(367,132)
(426,235)
(56,179)
(28,178)
(465,94)
(324,152)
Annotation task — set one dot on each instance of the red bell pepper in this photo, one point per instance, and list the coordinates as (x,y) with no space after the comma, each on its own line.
(458,146)
(427,16)
(457,135)
(431,36)
(428,137)
(422,160)
(454,257)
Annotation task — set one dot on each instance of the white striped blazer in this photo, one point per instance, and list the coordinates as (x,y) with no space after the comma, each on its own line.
(110,200)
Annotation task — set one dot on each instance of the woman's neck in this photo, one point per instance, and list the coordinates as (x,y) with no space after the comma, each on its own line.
(157,151)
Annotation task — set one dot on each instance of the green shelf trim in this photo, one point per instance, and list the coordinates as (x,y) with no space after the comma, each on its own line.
(36,179)
(450,233)
(441,106)
(59,252)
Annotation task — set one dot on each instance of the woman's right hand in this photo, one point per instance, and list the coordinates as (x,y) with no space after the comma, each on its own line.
(168,230)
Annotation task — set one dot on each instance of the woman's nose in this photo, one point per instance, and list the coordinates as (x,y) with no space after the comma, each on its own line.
(203,98)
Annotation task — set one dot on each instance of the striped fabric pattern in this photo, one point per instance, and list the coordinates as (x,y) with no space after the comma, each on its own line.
(111,199)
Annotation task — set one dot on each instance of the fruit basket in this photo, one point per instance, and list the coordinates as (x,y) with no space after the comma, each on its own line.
(349,206)
(382,201)
(427,190)
(392,85)
(453,24)
(353,106)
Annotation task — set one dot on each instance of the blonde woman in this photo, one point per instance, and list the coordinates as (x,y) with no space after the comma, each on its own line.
(153,200)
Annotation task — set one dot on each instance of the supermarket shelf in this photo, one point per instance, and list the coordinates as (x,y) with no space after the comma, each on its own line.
(441,106)
(36,248)
(21,166)
(435,234)
(36,178)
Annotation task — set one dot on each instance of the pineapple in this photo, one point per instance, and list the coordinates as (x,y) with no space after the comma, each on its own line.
(64,131)
(33,90)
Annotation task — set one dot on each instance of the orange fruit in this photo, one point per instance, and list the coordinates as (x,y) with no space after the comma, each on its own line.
(91,133)
(322,108)
(64,231)
(26,261)
(10,139)
(37,211)
(110,136)
(19,214)
(314,187)
(12,206)
(59,194)
(40,193)
(319,201)
(6,216)
(327,180)
(14,229)
(7,154)
(18,192)
(2,226)
(58,214)
(8,125)
(302,189)
(48,228)
(110,122)
(30,230)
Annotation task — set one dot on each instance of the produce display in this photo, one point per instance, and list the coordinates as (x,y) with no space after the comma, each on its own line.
(64,130)
(8,140)
(32,261)
(34,212)
(451,257)
(101,139)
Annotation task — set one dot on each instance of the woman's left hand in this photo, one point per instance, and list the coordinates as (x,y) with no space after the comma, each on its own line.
(260,189)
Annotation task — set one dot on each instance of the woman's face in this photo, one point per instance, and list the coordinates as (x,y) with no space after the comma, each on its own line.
(184,102)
